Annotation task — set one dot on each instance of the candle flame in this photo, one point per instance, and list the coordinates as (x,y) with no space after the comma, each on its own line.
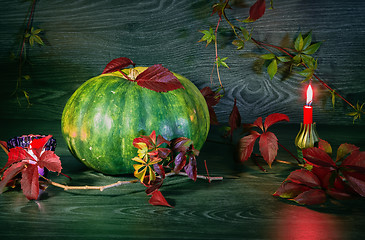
(309,95)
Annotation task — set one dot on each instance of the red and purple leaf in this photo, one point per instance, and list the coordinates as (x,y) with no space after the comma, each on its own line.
(118,64)
(246,145)
(274,118)
(158,79)
(306,177)
(30,182)
(290,190)
(318,157)
(345,149)
(157,199)
(181,144)
(143,139)
(159,169)
(50,161)
(311,197)
(11,172)
(257,10)
(268,147)
(191,168)
(152,185)
(180,161)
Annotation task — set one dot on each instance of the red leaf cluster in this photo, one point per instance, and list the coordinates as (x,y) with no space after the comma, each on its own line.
(268,142)
(340,179)
(178,154)
(156,77)
(27,163)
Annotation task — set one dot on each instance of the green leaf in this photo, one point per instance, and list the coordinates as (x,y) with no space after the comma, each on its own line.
(38,40)
(309,61)
(245,33)
(312,48)
(307,41)
(298,44)
(268,56)
(284,59)
(272,68)
(208,36)
(239,44)
(221,62)
(358,112)
(297,58)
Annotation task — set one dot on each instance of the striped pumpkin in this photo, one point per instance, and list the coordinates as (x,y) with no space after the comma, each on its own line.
(105,114)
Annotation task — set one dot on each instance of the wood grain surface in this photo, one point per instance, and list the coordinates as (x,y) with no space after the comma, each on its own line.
(239,207)
(82,36)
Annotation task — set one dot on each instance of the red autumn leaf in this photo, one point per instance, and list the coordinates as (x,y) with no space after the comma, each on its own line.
(212,99)
(142,139)
(325,146)
(311,197)
(234,119)
(355,161)
(158,79)
(118,64)
(324,174)
(356,180)
(180,161)
(191,168)
(38,144)
(29,182)
(246,145)
(258,123)
(303,176)
(17,154)
(257,11)
(50,161)
(161,140)
(268,146)
(319,157)
(274,118)
(290,190)
(11,172)
(340,190)
(345,149)
(157,199)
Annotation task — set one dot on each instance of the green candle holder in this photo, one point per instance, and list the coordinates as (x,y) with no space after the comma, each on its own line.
(306,138)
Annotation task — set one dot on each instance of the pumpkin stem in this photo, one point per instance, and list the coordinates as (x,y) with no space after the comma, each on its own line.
(133,74)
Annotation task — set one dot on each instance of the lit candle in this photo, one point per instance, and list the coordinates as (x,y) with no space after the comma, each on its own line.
(307,109)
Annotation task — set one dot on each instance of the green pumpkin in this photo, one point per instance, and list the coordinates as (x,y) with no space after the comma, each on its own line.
(105,114)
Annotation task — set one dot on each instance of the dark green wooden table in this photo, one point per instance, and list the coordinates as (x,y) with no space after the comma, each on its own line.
(239,207)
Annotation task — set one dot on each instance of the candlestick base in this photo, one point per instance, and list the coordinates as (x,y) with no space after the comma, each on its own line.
(307,136)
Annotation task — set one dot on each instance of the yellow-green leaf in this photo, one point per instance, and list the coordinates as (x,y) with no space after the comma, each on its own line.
(272,68)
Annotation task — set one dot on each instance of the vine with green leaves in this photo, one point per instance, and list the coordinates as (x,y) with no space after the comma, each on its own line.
(30,37)
(298,57)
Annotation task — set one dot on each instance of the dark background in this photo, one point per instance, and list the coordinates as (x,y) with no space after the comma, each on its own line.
(82,36)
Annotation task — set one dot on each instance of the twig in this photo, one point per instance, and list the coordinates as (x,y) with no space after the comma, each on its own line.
(289,152)
(119,183)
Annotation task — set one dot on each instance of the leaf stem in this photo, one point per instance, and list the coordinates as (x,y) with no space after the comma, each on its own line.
(289,152)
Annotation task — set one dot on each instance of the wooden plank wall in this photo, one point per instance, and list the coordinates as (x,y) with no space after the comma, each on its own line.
(82,36)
